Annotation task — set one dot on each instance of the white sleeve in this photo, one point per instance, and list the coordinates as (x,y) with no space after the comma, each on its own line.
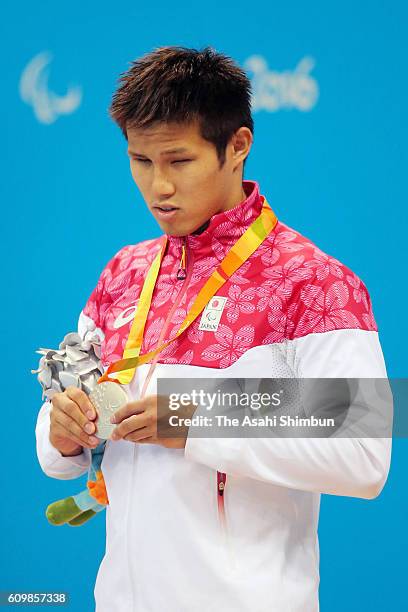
(350,466)
(52,462)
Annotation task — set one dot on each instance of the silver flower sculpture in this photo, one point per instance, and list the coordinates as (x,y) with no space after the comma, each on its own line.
(75,363)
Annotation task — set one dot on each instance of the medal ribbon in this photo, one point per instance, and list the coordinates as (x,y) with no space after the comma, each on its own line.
(236,256)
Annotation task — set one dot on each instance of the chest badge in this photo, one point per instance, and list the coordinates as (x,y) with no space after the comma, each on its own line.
(212,313)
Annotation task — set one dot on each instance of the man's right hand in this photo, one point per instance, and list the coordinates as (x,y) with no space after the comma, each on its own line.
(72,419)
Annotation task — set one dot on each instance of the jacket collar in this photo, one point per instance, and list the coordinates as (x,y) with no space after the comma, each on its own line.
(222,229)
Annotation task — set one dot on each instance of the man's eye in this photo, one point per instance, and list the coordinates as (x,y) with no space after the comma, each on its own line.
(147,161)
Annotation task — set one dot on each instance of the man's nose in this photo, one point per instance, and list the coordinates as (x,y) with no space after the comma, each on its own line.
(161,185)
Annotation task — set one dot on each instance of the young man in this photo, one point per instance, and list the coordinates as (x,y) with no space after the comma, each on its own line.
(288,311)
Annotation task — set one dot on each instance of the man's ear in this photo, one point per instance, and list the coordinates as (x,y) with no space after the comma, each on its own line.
(241,143)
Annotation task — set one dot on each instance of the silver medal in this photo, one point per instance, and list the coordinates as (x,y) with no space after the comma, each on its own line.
(107,397)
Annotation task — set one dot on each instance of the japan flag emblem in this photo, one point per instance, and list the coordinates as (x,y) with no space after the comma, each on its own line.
(212,313)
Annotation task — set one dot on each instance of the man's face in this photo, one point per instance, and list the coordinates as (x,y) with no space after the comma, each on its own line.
(189,179)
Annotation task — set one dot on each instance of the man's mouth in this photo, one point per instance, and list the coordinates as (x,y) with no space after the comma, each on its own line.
(165,208)
(165,212)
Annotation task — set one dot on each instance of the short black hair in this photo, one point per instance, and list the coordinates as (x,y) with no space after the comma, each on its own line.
(178,84)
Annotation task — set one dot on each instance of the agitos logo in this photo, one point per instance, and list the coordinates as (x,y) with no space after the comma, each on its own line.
(34,90)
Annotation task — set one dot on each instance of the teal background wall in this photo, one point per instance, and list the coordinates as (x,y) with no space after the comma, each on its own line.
(330,155)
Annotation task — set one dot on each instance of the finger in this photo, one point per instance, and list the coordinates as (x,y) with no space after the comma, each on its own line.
(140,434)
(150,440)
(129,409)
(60,432)
(66,427)
(70,407)
(82,400)
(133,423)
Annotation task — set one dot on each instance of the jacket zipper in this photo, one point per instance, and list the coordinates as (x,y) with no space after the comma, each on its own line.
(221,480)
(182,275)
(228,547)
(181,272)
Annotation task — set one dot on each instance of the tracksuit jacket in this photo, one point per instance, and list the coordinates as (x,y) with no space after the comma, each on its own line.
(290,311)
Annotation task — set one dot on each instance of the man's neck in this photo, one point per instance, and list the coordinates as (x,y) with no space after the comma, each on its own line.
(235,199)
(201,229)
(234,202)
